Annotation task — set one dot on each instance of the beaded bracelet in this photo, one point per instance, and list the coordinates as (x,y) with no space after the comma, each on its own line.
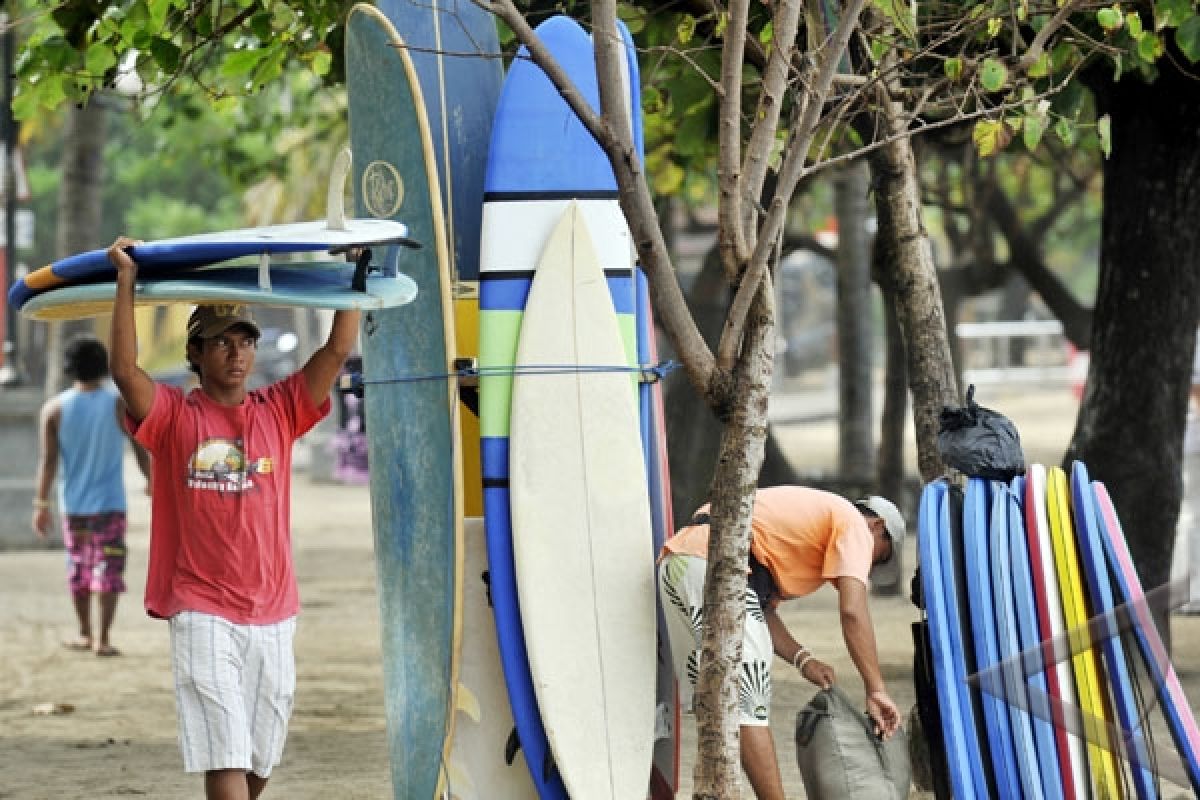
(804,661)
(40,503)
(796,655)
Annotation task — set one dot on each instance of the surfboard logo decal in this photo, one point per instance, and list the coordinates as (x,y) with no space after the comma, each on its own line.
(382,189)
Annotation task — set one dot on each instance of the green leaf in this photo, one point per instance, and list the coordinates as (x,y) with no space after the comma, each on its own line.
(993,75)
(25,104)
(166,54)
(321,62)
(686,28)
(1171,13)
(52,91)
(901,15)
(953,67)
(1110,19)
(1041,67)
(1133,23)
(994,26)
(241,62)
(99,58)
(1187,37)
(990,136)
(1150,46)
(260,26)
(1104,131)
(1035,126)
(1065,130)
(158,12)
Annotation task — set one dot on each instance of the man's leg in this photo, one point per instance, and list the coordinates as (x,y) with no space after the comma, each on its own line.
(256,784)
(108,612)
(759,761)
(77,539)
(108,576)
(82,601)
(232,784)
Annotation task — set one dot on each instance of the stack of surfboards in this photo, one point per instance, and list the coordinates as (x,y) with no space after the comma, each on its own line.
(1039,630)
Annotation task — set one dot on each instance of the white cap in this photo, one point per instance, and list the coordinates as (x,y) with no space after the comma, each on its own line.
(887,572)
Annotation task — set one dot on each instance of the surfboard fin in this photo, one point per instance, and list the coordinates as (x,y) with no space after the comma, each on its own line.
(466,702)
(549,768)
(511,747)
(335,199)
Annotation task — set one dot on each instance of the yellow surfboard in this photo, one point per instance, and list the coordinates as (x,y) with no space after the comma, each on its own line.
(1089,677)
(466,334)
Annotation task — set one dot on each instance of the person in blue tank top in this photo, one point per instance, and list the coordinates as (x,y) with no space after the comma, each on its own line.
(81,430)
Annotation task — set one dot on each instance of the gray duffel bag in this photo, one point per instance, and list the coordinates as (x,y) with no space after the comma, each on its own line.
(840,757)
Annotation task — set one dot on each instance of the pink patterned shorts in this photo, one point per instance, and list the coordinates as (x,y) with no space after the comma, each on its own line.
(95,552)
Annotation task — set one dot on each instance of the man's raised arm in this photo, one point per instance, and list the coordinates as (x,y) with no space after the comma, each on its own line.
(322,369)
(136,387)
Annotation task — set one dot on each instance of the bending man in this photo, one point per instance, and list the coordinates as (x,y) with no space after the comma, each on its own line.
(801,539)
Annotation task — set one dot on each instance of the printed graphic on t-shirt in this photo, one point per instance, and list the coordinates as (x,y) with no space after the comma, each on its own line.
(221,465)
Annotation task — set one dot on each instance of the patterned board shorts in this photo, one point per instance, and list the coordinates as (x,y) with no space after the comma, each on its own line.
(95,552)
(234,690)
(681,588)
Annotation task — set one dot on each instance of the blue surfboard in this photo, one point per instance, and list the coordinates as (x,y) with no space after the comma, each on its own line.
(541,158)
(323,284)
(1132,741)
(1176,707)
(1036,692)
(1008,640)
(954,734)
(979,521)
(958,615)
(198,250)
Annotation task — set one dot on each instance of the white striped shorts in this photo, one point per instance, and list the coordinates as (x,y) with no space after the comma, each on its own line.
(234,689)
(681,589)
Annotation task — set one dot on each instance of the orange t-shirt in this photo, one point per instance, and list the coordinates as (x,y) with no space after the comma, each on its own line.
(804,537)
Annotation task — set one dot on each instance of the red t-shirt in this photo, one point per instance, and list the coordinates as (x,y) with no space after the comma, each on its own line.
(220,534)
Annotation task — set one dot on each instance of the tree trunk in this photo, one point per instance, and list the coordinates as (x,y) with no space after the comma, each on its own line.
(79,212)
(890,465)
(717,772)
(908,266)
(693,431)
(1130,427)
(856,422)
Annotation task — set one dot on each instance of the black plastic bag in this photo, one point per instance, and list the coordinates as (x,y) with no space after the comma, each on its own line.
(979,442)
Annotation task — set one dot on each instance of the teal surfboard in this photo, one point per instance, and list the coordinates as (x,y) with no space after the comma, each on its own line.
(323,284)
(411,411)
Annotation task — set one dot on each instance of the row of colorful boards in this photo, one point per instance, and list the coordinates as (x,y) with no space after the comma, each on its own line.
(1039,629)
(521,541)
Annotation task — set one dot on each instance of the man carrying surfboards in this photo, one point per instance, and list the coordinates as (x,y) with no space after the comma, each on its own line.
(220,564)
(801,539)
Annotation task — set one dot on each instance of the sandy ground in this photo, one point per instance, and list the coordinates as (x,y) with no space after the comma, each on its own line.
(120,738)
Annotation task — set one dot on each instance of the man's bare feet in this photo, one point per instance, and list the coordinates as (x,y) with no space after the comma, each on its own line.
(106,650)
(78,643)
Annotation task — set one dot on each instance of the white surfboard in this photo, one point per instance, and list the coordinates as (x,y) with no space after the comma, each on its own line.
(581,524)
(479,767)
